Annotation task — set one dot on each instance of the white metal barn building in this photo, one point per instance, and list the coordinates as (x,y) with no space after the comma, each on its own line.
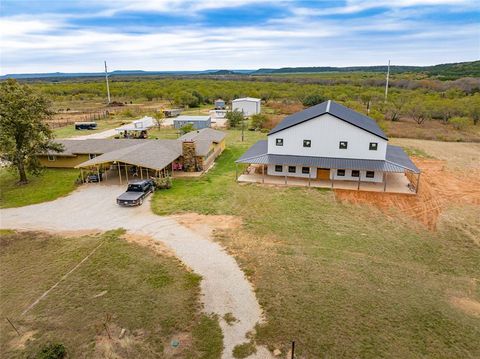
(330,145)
(248,105)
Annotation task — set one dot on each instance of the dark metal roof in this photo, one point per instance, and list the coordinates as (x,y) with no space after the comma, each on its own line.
(397,155)
(395,163)
(341,112)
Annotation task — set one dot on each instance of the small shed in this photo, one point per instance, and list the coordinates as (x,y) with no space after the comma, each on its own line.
(219,104)
(198,122)
(248,105)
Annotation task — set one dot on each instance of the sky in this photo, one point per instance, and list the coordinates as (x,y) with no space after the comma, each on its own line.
(39,36)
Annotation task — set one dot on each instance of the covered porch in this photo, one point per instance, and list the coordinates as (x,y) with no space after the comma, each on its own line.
(392,182)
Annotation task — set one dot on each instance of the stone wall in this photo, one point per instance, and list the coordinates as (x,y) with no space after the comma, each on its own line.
(189,160)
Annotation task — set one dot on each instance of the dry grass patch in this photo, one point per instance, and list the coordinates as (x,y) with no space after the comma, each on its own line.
(124,301)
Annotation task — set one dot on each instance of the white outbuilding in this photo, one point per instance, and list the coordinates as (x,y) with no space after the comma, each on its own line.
(248,105)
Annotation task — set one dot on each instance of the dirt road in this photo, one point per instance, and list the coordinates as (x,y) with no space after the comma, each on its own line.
(224,286)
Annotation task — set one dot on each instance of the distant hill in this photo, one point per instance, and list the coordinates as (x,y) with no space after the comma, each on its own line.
(447,71)
(442,71)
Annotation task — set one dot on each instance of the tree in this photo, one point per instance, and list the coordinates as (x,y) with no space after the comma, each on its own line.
(159,118)
(259,120)
(312,100)
(473,108)
(417,111)
(187,128)
(393,109)
(24,132)
(234,118)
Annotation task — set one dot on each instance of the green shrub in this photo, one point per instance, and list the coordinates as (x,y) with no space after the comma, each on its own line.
(460,123)
(259,121)
(234,118)
(312,100)
(244,350)
(52,351)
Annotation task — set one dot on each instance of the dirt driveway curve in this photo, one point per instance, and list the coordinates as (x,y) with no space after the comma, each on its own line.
(92,207)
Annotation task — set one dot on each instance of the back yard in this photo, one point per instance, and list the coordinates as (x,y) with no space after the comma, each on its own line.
(123,285)
(346,278)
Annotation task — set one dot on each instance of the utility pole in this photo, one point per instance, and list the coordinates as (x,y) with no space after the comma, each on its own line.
(386,84)
(106,79)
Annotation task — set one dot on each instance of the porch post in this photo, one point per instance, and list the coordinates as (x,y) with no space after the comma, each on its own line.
(98,174)
(309,176)
(126,172)
(263,173)
(385,182)
(119,172)
(106,175)
(418,183)
(333,175)
(81,174)
(141,173)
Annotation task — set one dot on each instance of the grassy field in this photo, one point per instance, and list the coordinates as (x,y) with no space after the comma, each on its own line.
(102,125)
(342,280)
(122,285)
(51,184)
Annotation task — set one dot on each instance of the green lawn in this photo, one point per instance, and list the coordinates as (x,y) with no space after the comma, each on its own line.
(342,280)
(122,285)
(102,125)
(51,184)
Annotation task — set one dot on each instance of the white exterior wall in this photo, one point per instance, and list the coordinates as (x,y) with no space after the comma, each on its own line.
(326,132)
(271,171)
(378,177)
(249,108)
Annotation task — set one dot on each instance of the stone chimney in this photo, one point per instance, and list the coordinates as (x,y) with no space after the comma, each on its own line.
(189,159)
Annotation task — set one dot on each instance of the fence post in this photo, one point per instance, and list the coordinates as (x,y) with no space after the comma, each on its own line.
(293,350)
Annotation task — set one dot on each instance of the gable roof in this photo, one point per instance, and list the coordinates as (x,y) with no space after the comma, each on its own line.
(207,134)
(339,111)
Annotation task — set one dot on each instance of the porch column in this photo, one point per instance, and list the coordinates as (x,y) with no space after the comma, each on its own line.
(106,174)
(309,176)
(418,183)
(385,182)
(98,174)
(263,173)
(126,172)
(119,172)
(141,173)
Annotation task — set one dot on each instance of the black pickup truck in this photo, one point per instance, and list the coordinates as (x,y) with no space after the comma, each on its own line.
(136,193)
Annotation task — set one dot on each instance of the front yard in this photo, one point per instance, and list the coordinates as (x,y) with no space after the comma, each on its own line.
(342,280)
(50,185)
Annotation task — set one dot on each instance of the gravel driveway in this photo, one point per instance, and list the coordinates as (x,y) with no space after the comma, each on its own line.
(92,207)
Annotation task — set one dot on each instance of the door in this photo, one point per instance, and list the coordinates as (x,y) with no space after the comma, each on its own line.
(323,173)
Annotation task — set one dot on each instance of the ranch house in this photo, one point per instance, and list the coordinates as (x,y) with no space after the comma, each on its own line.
(330,145)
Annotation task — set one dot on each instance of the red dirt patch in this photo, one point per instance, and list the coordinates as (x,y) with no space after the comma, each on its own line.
(439,187)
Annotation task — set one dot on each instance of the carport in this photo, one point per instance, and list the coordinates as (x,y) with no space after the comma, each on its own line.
(145,160)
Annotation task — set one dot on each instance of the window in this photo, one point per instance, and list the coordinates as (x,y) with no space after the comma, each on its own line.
(307,143)
(52,157)
(373,146)
(278,168)
(340,173)
(279,141)
(370,174)
(343,145)
(355,173)
(92,155)
(306,170)
(292,169)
